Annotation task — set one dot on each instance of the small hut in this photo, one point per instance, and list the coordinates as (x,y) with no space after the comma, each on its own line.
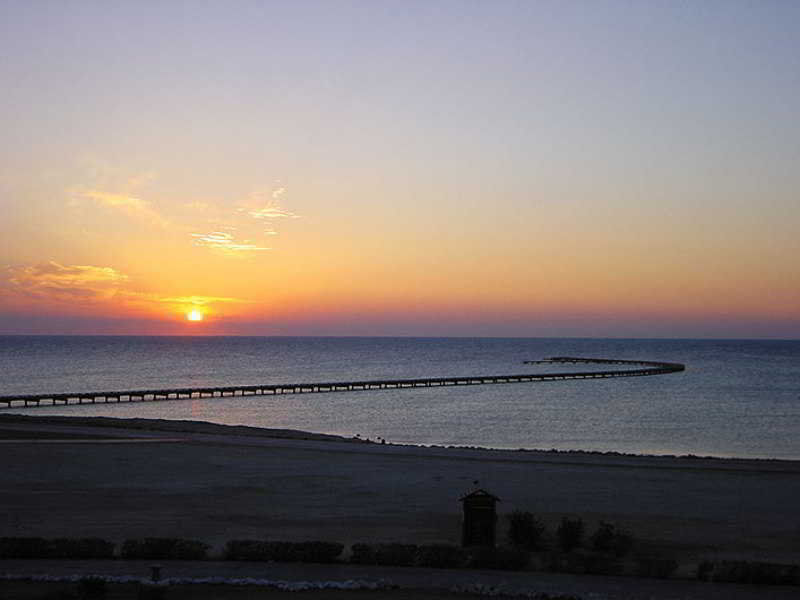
(480,518)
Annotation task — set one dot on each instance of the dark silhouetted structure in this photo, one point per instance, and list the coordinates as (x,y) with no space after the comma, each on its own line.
(480,518)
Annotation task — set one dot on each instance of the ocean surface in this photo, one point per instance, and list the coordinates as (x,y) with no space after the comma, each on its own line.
(736,398)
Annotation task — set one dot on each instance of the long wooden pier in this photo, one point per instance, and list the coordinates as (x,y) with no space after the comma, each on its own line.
(71,399)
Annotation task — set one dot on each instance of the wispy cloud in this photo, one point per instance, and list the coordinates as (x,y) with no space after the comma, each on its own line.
(271,212)
(226,243)
(265,205)
(80,285)
(202,300)
(234,228)
(131,206)
(66,282)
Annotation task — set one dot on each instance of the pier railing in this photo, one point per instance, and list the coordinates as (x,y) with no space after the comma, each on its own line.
(71,398)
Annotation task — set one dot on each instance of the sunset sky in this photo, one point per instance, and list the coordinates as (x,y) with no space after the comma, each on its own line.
(566,168)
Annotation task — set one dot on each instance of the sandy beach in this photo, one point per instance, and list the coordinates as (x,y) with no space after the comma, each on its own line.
(76,476)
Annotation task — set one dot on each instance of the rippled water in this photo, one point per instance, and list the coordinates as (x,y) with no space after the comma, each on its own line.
(737,398)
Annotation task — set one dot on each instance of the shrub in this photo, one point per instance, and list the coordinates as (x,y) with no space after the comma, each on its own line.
(509,559)
(245,550)
(570,534)
(57,548)
(312,552)
(24,547)
(704,570)
(525,531)
(661,568)
(189,550)
(610,540)
(755,572)
(81,548)
(389,555)
(603,539)
(440,556)
(362,554)
(396,555)
(164,549)
(319,552)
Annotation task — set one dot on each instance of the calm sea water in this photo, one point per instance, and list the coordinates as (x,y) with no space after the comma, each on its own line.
(737,398)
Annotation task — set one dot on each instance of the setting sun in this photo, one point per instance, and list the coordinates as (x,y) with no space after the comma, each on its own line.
(194,315)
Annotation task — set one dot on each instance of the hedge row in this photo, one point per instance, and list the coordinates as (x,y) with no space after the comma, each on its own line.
(604,560)
(36,547)
(80,548)
(307,552)
(749,572)
(443,556)
(164,549)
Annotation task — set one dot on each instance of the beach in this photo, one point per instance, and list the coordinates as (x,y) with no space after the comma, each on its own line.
(81,477)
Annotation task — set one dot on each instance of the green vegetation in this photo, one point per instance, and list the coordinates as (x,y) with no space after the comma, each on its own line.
(164,549)
(526,531)
(606,552)
(503,558)
(570,534)
(308,552)
(36,547)
(389,555)
(441,556)
(762,573)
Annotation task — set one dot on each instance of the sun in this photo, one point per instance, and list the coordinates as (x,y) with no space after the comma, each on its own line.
(194,315)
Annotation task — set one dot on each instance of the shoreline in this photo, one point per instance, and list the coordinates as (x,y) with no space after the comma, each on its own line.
(208,427)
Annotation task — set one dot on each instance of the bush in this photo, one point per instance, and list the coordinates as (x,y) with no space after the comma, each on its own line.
(164,549)
(610,540)
(525,531)
(509,559)
(34,547)
(362,554)
(755,572)
(189,550)
(81,548)
(440,556)
(310,552)
(570,534)
(704,570)
(319,552)
(389,555)
(396,555)
(245,550)
(24,547)
(661,568)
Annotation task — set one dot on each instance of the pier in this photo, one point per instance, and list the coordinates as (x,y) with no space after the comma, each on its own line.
(646,368)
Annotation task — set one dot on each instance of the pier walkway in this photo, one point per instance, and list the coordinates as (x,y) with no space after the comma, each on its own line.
(71,399)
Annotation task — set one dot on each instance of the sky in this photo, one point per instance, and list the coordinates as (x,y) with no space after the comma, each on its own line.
(568,168)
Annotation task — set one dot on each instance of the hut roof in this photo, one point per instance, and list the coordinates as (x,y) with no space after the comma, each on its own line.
(479,493)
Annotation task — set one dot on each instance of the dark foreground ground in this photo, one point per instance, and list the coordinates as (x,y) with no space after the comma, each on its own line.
(75,479)
(410,582)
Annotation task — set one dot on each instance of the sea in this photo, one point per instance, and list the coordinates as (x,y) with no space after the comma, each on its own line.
(737,398)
